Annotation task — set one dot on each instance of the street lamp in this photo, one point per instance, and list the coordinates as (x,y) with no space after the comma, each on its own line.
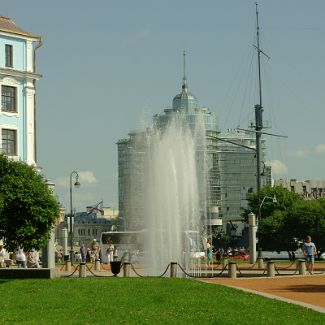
(77,185)
(48,258)
(274,200)
(253,224)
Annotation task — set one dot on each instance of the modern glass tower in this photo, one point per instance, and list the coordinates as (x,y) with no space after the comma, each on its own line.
(226,164)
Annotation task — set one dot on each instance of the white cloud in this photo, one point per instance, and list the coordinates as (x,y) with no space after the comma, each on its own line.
(85,177)
(320,148)
(278,167)
(300,153)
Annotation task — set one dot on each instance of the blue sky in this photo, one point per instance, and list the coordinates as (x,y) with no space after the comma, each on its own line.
(106,65)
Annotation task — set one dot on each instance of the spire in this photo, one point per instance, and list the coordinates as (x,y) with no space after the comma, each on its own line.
(184,85)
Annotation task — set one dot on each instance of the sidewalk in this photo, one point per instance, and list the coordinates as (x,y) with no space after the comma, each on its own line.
(308,291)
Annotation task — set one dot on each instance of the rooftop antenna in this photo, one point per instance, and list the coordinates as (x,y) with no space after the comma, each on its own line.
(184,85)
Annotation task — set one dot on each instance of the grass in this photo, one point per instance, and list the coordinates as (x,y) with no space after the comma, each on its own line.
(141,301)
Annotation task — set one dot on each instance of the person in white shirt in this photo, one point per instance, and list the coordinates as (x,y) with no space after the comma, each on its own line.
(20,258)
(110,251)
(2,256)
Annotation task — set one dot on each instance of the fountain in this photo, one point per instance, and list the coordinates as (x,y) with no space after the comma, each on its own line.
(172,207)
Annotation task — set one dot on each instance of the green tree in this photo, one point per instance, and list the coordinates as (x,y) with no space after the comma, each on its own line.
(285,199)
(284,229)
(221,240)
(28,209)
(307,218)
(274,235)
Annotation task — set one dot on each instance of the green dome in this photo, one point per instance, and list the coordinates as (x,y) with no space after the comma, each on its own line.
(185,100)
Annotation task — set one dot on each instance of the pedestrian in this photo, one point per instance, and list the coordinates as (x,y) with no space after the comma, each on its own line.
(88,255)
(115,254)
(83,253)
(310,251)
(110,251)
(32,259)
(94,247)
(218,256)
(77,256)
(209,252)
(20,258)
(2,256)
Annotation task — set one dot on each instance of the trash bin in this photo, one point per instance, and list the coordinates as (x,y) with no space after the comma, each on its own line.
(116,267)
(66,258)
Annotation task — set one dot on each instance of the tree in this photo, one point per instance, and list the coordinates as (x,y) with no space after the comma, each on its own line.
(221,240)
(284,224)
(28,210)
(283,230)
(285,199)
(307,218)
(274,235)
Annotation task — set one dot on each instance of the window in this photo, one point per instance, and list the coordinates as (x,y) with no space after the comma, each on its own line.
(8,56)
(9,142)
(8,99)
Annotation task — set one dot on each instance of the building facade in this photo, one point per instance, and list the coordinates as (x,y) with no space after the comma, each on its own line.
(17,87)
(309,189)
(226,166)
(88,225)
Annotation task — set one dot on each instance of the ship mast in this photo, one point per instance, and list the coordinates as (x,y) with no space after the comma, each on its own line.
(258,112)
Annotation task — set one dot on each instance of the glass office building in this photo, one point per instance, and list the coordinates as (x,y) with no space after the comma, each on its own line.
(226,172)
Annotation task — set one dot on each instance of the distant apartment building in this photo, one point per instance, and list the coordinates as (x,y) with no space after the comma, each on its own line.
(309,189)
(226,172)
(89,225)
(18,92)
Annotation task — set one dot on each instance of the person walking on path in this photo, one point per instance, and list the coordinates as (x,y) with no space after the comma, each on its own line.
(110,251)
(83,253)
(209,252)
(310,251)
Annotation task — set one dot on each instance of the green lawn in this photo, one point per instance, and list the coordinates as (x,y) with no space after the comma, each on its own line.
(141,301)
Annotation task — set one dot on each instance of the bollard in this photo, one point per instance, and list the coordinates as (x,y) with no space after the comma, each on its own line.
(224,261)
(82,270)
(97,265)
(173,269)
(127,269)
(270,269)
(232,270)
(68,266)
(297,260)
(260,263)
(302,267)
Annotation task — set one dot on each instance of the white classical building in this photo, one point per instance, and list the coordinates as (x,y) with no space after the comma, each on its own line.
(17,88)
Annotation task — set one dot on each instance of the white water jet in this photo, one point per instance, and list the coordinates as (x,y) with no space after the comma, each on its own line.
(172,204)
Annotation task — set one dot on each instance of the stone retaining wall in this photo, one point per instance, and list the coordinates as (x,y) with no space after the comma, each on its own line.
(21,273)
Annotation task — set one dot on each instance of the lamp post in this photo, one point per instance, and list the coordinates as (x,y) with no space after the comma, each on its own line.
(252,237)
(48,258)
(274,200)
(77,185)
(253,224)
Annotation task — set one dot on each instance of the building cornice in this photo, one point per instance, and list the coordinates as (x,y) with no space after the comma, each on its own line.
(19,73)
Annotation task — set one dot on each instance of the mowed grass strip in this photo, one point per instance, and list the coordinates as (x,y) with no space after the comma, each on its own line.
(141,301)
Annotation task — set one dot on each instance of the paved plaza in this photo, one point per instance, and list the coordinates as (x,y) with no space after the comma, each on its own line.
(308,291)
